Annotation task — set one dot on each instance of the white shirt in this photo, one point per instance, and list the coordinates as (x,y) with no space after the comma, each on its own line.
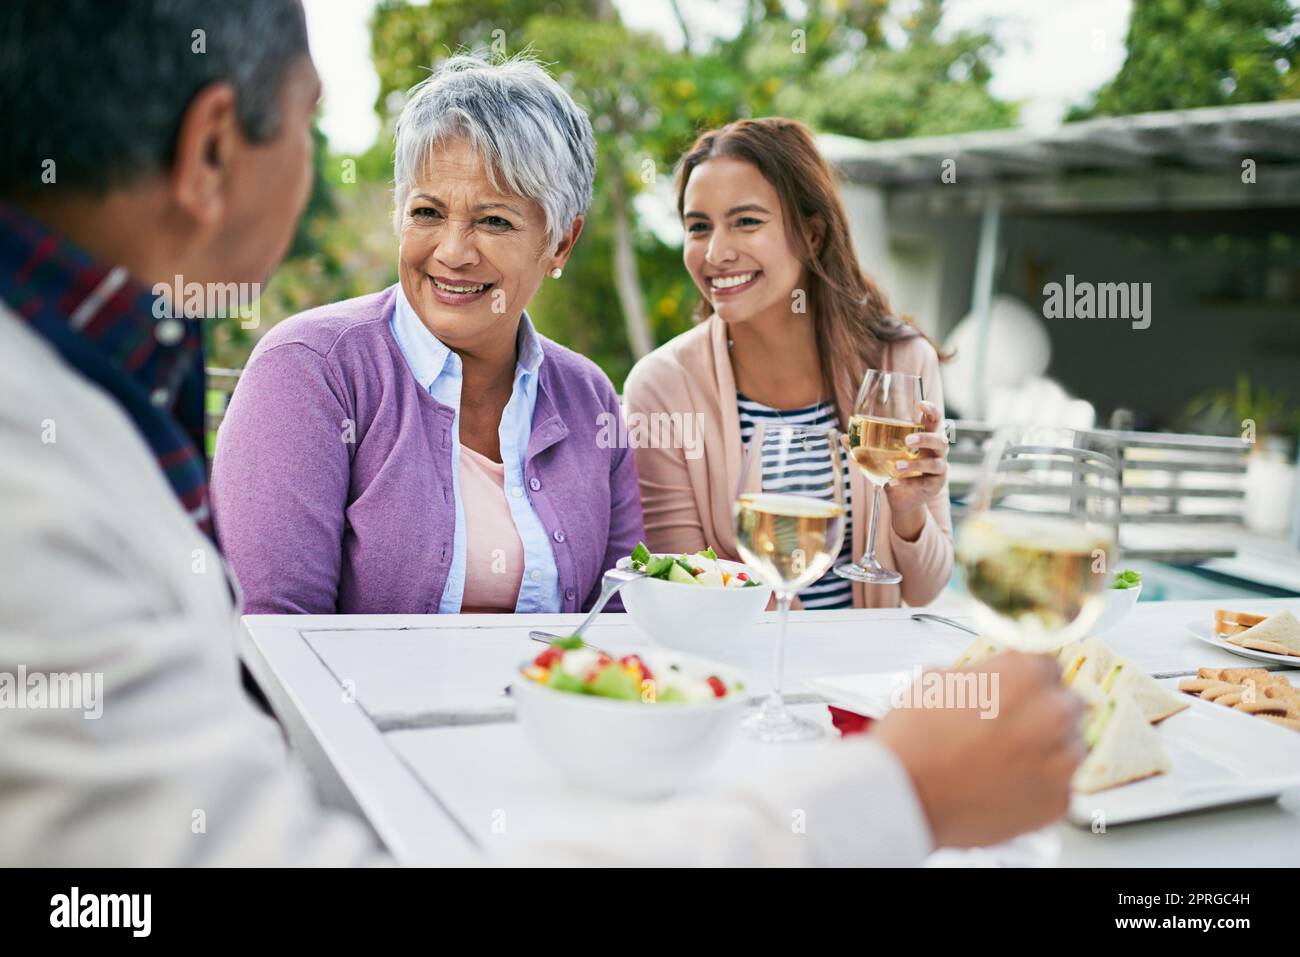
(102,571)
(438,370)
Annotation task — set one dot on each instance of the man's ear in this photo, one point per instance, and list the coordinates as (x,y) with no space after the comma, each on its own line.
(205,147)
(567,242)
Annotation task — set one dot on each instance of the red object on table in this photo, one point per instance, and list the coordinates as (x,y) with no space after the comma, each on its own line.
(848,722)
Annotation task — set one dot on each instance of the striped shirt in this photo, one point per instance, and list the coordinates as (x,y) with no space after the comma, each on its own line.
(830,591)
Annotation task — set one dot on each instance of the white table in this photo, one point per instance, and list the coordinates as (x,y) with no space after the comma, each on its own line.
(403,718)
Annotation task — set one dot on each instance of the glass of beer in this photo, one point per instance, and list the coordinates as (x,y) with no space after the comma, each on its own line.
(790,518)
(1038,545)
(887,411)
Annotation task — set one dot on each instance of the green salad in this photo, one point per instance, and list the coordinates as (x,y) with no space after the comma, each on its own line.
(702,568)
(1127,579)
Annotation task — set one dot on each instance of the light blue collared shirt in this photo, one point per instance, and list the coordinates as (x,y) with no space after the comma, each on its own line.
(438,370)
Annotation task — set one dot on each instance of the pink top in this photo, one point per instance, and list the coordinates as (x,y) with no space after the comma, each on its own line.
(494,554)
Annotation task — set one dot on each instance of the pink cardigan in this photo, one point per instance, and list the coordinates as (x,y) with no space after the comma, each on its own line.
(688,500)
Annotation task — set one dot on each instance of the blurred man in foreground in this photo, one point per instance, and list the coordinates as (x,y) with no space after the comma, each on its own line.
(189,156)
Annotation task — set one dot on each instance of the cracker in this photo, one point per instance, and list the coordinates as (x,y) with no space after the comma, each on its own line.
(1221,689)
(1282,691)
(1261,706)
(1242,675)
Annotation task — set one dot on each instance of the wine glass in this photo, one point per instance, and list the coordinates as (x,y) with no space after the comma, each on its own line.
(887,411)
(1041,535)
(790,521)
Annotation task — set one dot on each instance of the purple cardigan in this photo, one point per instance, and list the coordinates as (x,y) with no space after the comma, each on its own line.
(316,524)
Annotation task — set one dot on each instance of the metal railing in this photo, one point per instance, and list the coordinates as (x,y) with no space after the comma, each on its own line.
(221,384)
(1166,479)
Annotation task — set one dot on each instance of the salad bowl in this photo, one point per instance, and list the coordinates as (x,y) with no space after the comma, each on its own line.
(1121,598)
(709,619)
(628,747)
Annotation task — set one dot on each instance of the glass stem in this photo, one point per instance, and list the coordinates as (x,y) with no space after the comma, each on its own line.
(870,557)
(774,702)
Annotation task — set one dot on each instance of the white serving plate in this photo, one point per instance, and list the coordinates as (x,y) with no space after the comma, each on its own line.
(1221,756)
(1205,632)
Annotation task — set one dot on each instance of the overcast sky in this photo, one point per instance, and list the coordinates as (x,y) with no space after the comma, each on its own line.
(1055,51)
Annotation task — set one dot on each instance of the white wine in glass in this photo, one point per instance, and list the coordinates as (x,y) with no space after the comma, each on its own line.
(790,519)
(887,411)
(877,444)
(1038,548)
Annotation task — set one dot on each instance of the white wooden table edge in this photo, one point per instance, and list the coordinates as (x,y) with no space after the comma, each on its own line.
(348,758)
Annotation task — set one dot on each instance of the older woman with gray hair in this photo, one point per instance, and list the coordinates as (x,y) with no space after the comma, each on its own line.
(424,448)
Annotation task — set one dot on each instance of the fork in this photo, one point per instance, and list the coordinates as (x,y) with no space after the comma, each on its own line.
(610,582)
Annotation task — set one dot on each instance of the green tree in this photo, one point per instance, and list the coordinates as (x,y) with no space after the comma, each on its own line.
(1189,53)
(856,84)
(826,62)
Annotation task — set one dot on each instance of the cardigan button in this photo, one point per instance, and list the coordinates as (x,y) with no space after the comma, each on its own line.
(534,484)
(558,536)
(570,594)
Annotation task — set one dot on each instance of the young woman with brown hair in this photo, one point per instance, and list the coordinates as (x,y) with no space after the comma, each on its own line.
(788,327)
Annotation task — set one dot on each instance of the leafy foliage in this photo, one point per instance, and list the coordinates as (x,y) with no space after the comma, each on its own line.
(1188,53)
(830,67)
(827,62)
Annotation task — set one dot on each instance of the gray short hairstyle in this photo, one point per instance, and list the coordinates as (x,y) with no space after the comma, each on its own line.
(528,130)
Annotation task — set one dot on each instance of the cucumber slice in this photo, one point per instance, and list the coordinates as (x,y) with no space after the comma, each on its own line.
(679,574)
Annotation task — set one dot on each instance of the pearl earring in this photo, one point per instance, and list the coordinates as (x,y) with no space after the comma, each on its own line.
(557,272)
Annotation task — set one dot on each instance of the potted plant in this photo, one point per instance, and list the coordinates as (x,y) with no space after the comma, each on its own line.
(1261,417)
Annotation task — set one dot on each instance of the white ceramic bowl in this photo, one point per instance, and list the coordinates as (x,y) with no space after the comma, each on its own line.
(695,618)
(1119,602)
(628,749)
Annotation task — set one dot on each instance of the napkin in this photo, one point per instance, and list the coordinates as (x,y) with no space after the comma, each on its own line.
(848,722)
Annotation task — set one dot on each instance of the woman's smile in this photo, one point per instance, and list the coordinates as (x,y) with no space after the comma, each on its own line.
(457,292)
(733,283)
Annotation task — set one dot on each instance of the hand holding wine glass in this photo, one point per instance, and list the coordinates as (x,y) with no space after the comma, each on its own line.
(888,411)
(922,475)
(983,781)
(1040,539)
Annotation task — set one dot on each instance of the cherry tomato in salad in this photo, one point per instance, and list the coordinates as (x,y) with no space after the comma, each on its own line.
(601,664)
(719,689)
(549,657)
(630,661)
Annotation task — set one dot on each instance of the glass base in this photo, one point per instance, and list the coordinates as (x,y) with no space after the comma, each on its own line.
(772,723)
(869,571)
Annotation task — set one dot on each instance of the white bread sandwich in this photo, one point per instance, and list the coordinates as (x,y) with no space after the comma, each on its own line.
(1279,634)
(1122,748)
(1090,658)
(1154,700)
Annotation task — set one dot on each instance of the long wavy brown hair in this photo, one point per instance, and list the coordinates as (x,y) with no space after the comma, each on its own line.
(851,316)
